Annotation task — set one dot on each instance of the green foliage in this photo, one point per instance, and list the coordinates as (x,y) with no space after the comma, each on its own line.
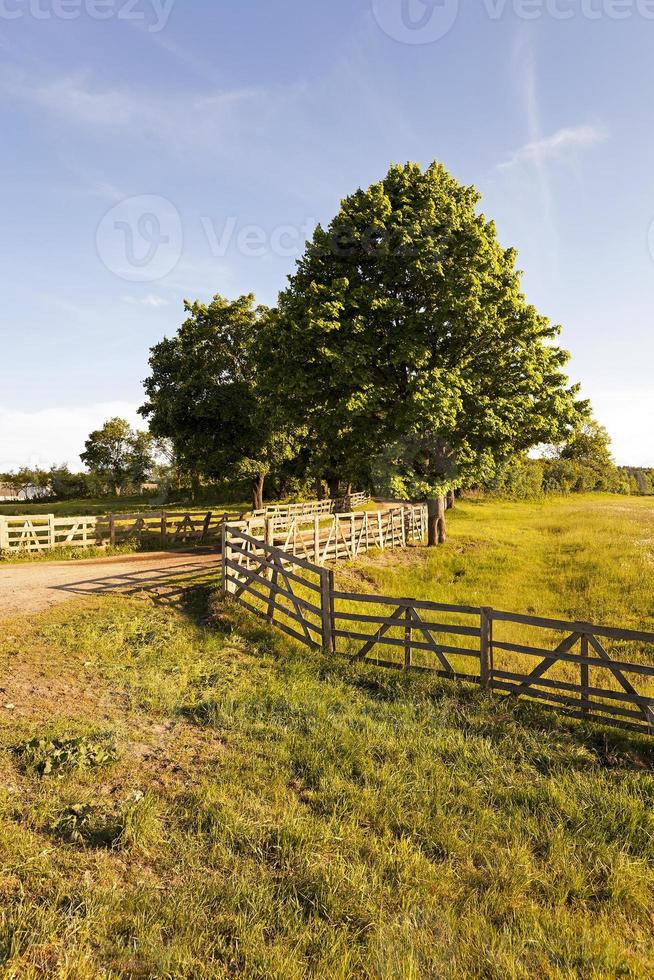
(582,464)
(589,444)
(117,456)
(56,756)
(404,327)
(57,482)
(203,394)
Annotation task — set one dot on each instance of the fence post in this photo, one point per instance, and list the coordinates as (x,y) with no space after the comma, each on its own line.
(486,647)
(326,599)
(584,676)
(4,534)
(227,555)
(268,536)
(52,532)
(164,526)
(407,638)
(112,530)
(332,610)
(316,539)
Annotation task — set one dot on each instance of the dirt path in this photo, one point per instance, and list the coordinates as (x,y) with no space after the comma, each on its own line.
(32,587)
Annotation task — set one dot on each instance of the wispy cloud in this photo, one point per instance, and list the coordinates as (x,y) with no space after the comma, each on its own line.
(551,147)
(150,300)
(212,117)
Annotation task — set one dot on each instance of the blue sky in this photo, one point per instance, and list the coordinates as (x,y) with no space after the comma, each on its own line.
(155,150)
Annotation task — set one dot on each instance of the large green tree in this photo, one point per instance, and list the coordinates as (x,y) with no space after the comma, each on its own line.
(203,394)
(118,456)
(404,336)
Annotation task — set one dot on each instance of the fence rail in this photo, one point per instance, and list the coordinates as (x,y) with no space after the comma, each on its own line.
(581,669)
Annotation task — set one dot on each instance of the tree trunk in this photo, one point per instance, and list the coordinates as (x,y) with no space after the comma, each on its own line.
(257,491)
(334,485)
(450,499)
(320,491)
(195,486)
(436,521)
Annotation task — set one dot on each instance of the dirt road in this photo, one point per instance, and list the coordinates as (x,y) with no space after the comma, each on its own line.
(32,587)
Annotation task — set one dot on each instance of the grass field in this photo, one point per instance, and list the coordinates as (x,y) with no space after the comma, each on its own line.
(588,557)
(185,794)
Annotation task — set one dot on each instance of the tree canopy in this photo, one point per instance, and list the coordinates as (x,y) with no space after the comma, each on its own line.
(119,456)
(204,395)
(404,339)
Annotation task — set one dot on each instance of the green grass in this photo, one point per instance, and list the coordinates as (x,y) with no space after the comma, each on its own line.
(587,557)
(184,800)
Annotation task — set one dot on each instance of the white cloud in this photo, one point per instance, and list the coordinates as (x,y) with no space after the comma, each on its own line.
(55,435)
(150,300)
(556,145)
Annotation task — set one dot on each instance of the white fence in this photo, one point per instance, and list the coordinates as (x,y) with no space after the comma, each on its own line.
(323,538)
(44,532)
(309,508)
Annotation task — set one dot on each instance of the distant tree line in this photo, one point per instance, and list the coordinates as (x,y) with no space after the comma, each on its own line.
(582,464)
(639,478)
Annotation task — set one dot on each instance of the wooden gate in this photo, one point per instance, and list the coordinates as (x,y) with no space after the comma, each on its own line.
(290,592)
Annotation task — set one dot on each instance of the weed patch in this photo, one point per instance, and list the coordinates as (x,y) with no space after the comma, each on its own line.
(57,756)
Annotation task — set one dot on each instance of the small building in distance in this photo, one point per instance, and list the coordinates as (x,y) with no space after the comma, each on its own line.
(30,491)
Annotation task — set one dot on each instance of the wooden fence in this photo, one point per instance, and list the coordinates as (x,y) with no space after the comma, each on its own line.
(324,538)
(591,672)
(311,508)
(46,532)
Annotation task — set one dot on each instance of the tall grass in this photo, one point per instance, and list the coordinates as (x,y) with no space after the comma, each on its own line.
(268,812)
